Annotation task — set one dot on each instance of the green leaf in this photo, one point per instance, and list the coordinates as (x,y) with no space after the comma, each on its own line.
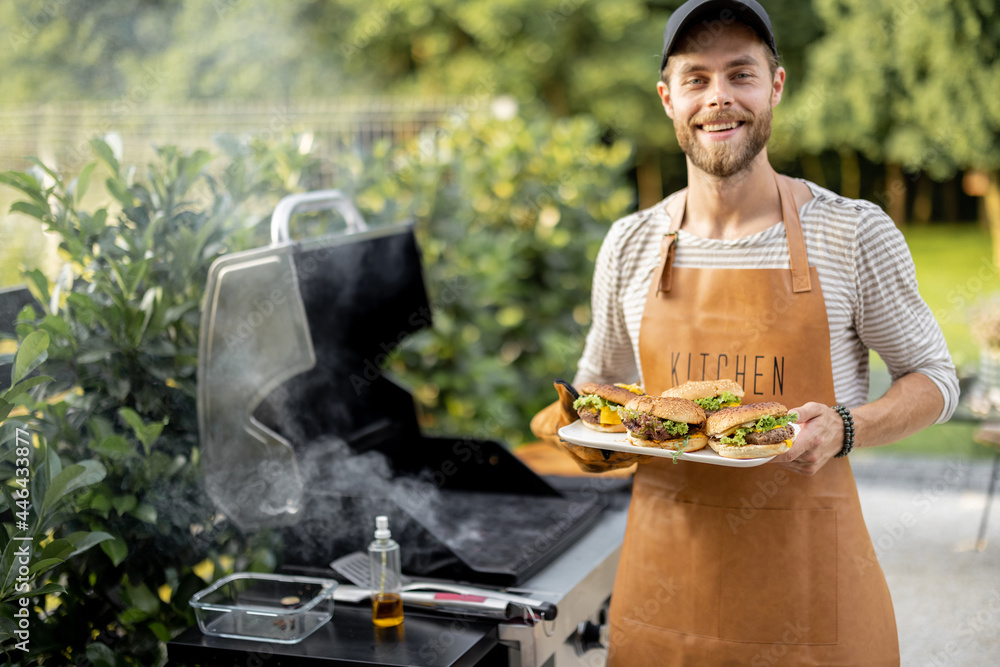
(146,433)
(26,183)
(82,302)
(97,223)
(8,431)
(132,616)
(34,210)
(59,549)
(103,151)
(82,540)
(56,325)
(5,409)
(24,386)
(160,630)
(124,504)
(120,191)
(38,284)
(93,352)
(113,446)
(100,655)
(145,512)
(44,564)
(83,182)
(100,502)
(140,596)
(71,478)
(32,351)
(133,419)
(41,165)
(55,465)
(116,550)
(9,627)
(47,589)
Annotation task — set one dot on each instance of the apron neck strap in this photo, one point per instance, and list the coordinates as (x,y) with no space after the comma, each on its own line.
(797,258)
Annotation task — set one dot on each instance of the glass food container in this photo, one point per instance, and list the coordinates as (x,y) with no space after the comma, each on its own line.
(265,607)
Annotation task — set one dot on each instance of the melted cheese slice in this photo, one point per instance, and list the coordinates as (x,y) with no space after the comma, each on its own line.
(609,416)
(732,430)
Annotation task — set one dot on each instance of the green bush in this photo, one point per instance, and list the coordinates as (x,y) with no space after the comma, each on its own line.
(510,215)
(37,493)
(122,322)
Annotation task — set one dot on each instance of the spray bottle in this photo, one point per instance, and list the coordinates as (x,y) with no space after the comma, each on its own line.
(386,587)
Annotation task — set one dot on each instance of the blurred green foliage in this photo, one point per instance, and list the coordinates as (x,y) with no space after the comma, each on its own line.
(121,322)
(906,82)
(598,57)
(510,215)
(38,492)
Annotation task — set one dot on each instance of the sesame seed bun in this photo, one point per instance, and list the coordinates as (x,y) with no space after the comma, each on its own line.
(728,419)
(695,442)
(749,451)
(608,392)
(674,409)
(704,389)
(603,428)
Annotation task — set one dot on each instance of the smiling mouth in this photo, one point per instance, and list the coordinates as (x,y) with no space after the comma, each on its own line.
(720,127)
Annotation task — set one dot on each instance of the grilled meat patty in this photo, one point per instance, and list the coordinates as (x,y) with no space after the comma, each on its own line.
(590,415)
(771,437)
(647,426)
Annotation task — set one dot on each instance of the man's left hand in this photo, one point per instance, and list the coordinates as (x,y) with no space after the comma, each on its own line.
(820,438)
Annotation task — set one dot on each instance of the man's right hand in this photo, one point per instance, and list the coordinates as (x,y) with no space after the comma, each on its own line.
(546,424)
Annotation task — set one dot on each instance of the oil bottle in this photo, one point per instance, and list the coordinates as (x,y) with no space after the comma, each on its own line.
(386,587)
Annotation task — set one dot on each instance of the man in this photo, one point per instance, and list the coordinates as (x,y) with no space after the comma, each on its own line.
(784,287)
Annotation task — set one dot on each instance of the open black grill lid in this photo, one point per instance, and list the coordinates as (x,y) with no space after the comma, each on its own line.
(302,429)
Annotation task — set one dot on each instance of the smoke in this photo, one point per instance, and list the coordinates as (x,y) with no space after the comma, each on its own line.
(344,492)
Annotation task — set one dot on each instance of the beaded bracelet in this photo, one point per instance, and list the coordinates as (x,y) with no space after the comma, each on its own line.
(845,414)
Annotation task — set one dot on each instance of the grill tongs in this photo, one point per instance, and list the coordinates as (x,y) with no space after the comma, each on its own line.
(444,597)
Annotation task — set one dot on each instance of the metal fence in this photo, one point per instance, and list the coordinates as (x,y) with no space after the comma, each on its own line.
(59,134)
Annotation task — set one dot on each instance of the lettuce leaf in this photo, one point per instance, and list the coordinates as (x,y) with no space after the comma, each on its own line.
(716,402)
(765,423)
(594,401)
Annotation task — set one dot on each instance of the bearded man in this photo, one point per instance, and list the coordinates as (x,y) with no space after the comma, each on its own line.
(784,287)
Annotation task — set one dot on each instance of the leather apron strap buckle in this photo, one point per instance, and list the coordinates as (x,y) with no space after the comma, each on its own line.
(668,248)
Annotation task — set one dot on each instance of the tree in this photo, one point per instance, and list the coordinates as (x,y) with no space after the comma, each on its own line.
(911,84)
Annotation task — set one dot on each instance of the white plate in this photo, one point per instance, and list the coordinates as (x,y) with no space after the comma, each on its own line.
(578,434)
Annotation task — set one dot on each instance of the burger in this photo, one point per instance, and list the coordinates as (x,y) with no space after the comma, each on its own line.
(665,423)
(751,431)
(711,395)
(599,405)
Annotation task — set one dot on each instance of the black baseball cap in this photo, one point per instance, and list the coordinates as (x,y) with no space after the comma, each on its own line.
(727,11)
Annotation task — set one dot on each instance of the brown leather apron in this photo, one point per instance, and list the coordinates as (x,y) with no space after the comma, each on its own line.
(745,566)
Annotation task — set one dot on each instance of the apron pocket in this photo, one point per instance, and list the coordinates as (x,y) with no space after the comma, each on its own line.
(778,577)
(668,575)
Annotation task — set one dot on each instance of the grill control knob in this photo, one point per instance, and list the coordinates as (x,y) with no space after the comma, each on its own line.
(590,636)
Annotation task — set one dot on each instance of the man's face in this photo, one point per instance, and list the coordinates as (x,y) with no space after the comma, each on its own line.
(720,98)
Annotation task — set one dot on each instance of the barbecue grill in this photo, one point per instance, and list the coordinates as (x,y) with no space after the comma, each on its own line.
(304,431)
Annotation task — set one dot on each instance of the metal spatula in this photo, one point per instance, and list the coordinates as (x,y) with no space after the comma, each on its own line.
(354,567)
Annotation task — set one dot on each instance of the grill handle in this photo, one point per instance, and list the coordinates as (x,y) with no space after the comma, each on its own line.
(319,200)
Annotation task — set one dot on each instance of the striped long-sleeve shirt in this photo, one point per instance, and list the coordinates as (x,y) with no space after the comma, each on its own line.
(865,270)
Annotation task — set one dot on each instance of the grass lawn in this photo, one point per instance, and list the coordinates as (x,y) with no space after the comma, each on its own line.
(955,271)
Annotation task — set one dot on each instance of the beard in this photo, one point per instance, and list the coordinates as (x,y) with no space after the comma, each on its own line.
(723,158)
